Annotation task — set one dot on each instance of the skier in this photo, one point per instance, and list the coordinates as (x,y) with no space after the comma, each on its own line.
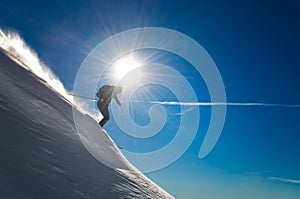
(105,94)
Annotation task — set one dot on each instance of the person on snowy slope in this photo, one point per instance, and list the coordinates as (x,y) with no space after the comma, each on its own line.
(105,94)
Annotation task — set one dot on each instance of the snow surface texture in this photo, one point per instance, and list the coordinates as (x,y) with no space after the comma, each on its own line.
(41,154)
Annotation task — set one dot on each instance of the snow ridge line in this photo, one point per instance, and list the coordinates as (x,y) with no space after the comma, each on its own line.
(16,48)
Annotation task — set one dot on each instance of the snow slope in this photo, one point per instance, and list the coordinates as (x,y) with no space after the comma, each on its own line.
(42,156)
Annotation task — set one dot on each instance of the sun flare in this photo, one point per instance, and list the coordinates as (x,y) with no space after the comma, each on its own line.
(124,65)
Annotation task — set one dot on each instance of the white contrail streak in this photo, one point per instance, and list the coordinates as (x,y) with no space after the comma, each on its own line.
(222,104)
(204,103)
(285,180)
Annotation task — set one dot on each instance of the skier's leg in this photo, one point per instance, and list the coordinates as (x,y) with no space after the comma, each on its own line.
(104,111)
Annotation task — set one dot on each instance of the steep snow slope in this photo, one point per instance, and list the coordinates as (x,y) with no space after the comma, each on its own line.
(42,156)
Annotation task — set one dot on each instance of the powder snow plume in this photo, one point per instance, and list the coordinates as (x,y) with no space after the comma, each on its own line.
(19,51)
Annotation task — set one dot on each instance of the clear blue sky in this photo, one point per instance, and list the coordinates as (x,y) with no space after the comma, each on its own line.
(255,45)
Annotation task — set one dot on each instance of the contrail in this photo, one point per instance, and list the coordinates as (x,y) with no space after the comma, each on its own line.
(223,104)
(202,103)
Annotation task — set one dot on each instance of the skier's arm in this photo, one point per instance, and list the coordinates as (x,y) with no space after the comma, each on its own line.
(117,100)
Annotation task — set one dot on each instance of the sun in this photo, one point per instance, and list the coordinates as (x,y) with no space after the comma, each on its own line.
(124,65)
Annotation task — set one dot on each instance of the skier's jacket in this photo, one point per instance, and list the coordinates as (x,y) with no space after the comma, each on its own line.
(105,94)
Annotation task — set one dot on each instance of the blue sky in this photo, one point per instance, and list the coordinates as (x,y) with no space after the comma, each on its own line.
(256,48)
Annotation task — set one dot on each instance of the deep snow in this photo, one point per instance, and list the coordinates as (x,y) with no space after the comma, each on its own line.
(41,154)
